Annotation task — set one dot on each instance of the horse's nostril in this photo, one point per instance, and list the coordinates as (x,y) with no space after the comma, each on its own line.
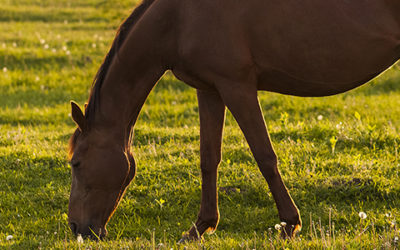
(73,227)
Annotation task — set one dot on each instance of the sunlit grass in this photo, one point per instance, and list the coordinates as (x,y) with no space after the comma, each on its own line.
(338,155)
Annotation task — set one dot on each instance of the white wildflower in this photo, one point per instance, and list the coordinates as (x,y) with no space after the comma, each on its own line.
(37,78)
(68,52)
(79,239)
(283,224)
(42,41)
(64,48)
(53,50)
(14,44)
(46,46)
(5,69)
(320,117)
(94,45)
(362,215)
(65,21)
(4,45)
(9,237)
(278,227)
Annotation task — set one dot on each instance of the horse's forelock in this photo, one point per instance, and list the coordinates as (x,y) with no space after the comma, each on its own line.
(72,143)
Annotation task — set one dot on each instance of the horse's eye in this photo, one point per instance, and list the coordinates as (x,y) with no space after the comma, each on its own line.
(74,164)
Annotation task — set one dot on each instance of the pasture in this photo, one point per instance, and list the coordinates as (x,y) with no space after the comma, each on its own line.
(338,155)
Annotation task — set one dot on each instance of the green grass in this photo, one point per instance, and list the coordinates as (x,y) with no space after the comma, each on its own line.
(338,155)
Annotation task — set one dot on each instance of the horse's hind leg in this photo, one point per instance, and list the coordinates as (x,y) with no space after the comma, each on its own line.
(243,103)
(212,117)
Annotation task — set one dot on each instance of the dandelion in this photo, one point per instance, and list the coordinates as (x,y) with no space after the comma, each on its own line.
(9,237)
(362,215)
(320,117)
(278,227)
(79,239)
(357,115)
(46,46)
(5,69)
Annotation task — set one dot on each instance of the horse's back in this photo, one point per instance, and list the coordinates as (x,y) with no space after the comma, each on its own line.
(325,46)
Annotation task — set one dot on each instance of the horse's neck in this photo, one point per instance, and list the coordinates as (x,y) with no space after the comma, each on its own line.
(125,90)
(134,71)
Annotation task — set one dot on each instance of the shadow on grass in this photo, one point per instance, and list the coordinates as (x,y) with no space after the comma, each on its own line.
(49,14)
(46,62)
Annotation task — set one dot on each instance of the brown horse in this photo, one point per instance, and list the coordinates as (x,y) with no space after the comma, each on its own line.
(227,50)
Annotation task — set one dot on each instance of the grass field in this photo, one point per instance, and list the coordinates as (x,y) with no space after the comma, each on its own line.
(338,155)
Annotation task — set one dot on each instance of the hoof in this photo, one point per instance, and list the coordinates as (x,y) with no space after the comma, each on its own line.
(187,238)
(289,231)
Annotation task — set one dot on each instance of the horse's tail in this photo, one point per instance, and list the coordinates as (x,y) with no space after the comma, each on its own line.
(119,39)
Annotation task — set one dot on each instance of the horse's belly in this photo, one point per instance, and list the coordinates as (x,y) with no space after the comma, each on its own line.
(283,83)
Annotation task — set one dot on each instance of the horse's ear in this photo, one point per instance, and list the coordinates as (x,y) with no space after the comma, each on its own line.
(78,116)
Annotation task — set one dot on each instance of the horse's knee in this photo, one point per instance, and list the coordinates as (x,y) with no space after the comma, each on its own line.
(269,166)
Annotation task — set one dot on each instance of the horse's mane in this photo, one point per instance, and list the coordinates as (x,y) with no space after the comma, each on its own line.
(120,37)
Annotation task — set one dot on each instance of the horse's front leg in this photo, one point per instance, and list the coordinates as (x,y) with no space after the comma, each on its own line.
(212,117)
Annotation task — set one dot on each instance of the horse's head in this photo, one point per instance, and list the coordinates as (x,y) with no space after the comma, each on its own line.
(101,170)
